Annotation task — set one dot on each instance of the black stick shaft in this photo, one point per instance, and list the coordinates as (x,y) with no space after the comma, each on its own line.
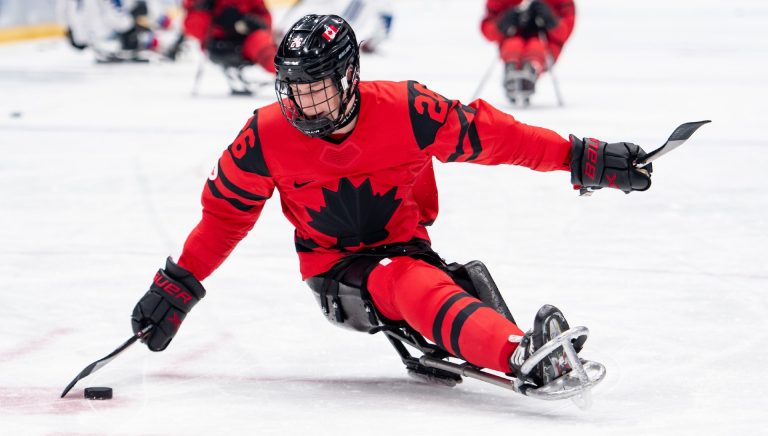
(95,366)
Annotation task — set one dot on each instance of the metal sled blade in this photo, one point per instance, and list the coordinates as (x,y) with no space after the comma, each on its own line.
(584,374)
(575,385)
(571,384)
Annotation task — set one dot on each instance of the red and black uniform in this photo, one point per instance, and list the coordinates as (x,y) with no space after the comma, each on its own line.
(521,48)
(257,46)
(375,187)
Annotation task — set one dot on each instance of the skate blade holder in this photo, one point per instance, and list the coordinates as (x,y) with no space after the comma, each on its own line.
(576,384)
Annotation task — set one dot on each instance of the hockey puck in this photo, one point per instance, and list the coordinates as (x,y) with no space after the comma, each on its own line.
(98,393)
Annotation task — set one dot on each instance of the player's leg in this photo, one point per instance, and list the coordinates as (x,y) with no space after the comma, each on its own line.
(434,305)
(512,51)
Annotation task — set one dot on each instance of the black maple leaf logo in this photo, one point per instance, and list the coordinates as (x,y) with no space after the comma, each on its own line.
(353,215)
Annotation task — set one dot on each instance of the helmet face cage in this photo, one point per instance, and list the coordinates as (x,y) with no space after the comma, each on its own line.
(316,108)
(317,75)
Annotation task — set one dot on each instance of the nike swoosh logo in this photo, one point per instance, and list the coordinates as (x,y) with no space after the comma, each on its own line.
(300,185)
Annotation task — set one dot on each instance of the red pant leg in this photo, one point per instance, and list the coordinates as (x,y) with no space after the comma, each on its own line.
(260,49)
(430,302)
(511,49)
(535,53)
(555,49)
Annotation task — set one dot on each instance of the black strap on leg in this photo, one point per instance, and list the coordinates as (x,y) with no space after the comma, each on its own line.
(324,294)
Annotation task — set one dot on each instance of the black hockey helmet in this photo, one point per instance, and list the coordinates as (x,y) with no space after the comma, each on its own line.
(315,48)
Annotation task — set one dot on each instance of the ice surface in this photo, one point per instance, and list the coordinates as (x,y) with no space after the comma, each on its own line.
(101,168)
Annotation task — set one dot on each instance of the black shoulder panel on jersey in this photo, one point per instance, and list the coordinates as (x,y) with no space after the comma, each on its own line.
(428,111)
(246,149)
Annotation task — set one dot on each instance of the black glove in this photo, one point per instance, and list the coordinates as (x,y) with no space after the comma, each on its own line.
(174,291)
(542,16)
(596,164)
(140,10)
(235,21)
(510,21)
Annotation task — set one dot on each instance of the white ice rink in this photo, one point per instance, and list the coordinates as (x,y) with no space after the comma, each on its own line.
(102,166)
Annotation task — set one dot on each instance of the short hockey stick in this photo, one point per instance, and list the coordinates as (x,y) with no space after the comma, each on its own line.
(95,366)
(676,139)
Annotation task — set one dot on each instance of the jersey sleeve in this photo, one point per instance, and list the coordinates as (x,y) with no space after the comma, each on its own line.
(493,10)
(197,22)
(232,199)
(260,9)
(479,133)
(565,10)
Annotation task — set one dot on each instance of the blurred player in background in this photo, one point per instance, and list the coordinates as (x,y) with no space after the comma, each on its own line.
(124,30)
(234,34)
(530,35)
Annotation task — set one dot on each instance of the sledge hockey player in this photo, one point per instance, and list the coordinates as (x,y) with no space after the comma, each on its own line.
(123,30)
(530,35)
(234,34)
(361,198)
(372,20)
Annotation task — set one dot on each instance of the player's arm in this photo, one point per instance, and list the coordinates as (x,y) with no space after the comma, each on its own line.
(198,18)
(233,198)
(565,11)
(489,26)
(480,133)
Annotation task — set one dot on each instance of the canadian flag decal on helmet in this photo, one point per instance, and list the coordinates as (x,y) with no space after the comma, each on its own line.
(330,32)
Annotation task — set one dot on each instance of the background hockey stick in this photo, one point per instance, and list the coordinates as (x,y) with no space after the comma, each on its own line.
(550,60)
(484,79)
(95,366)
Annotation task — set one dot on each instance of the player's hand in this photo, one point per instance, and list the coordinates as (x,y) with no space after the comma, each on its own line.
(541,14)
(596,164)
(173,293)
(249,24)
(509,22)
(235,21)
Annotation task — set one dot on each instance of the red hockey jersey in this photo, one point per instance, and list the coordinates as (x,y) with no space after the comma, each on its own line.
(564,10)
(375,187)
(200,14)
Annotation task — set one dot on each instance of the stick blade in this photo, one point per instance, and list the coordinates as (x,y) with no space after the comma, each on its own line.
(84,373)
(676,139)
(95,366)
(684,131)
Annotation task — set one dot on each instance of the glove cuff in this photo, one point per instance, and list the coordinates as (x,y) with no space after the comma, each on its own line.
(577,152)
(587,161)
(181,274)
